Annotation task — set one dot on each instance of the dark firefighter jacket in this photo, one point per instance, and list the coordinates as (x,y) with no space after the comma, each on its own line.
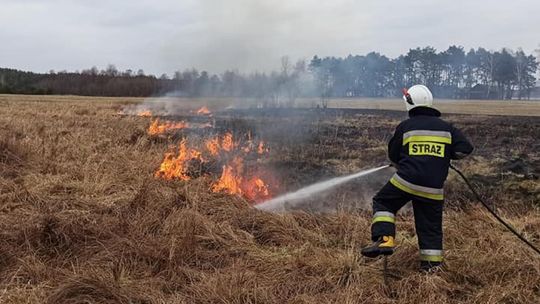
(422,147)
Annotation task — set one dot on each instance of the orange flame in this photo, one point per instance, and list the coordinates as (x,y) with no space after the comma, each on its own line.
(257,190)
(227,143)
(203,111)
(212,145)
(235,178)
(175,167)
(234,181)
(157,128)
(262,149)
(230,181)
(145,113)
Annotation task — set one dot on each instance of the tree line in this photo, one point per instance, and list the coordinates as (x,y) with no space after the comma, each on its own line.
(453,73)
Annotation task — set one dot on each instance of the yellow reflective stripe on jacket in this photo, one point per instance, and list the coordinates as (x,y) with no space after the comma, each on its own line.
(383,216)
(431,193)
(427,135)
(431,255)
(437,139)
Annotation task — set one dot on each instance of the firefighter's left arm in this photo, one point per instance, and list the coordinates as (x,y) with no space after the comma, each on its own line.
(461,147)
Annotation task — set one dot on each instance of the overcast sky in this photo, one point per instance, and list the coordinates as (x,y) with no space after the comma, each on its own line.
(164,36)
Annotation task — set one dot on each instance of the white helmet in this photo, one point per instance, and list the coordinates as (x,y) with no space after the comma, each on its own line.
(417,96)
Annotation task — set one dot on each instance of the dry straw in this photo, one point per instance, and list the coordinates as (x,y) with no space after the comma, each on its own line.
(82,220)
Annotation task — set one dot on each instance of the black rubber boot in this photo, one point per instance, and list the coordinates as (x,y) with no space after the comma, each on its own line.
(383,246)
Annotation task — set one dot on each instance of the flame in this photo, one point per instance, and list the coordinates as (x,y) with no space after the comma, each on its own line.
(175,167)
(227,143)
(261,149)
(233,181)
(261,186)
(157,128)
(212,145)
(257,190)
(230,181)
(236,178)
(203,111)
(145,113)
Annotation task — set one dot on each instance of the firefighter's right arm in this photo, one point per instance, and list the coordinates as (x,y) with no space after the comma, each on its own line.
(394,146)
(461,147)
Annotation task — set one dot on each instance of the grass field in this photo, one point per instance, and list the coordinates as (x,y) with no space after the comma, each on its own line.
(84,220)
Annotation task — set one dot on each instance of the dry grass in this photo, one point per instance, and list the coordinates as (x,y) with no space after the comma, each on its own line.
(82,220)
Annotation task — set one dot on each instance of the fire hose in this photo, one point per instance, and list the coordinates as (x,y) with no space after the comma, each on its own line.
(508,226)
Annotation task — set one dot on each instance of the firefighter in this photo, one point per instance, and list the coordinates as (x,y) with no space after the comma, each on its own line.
(420,150)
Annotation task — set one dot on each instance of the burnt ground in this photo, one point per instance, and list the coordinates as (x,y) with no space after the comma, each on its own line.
(316,144)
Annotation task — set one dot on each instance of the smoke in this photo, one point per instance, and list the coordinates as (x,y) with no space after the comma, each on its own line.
(288,133)
(250,35)
(253,34)
(172,103)
(168,104)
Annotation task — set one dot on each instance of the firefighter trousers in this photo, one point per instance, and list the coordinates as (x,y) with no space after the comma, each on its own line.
(427,216)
